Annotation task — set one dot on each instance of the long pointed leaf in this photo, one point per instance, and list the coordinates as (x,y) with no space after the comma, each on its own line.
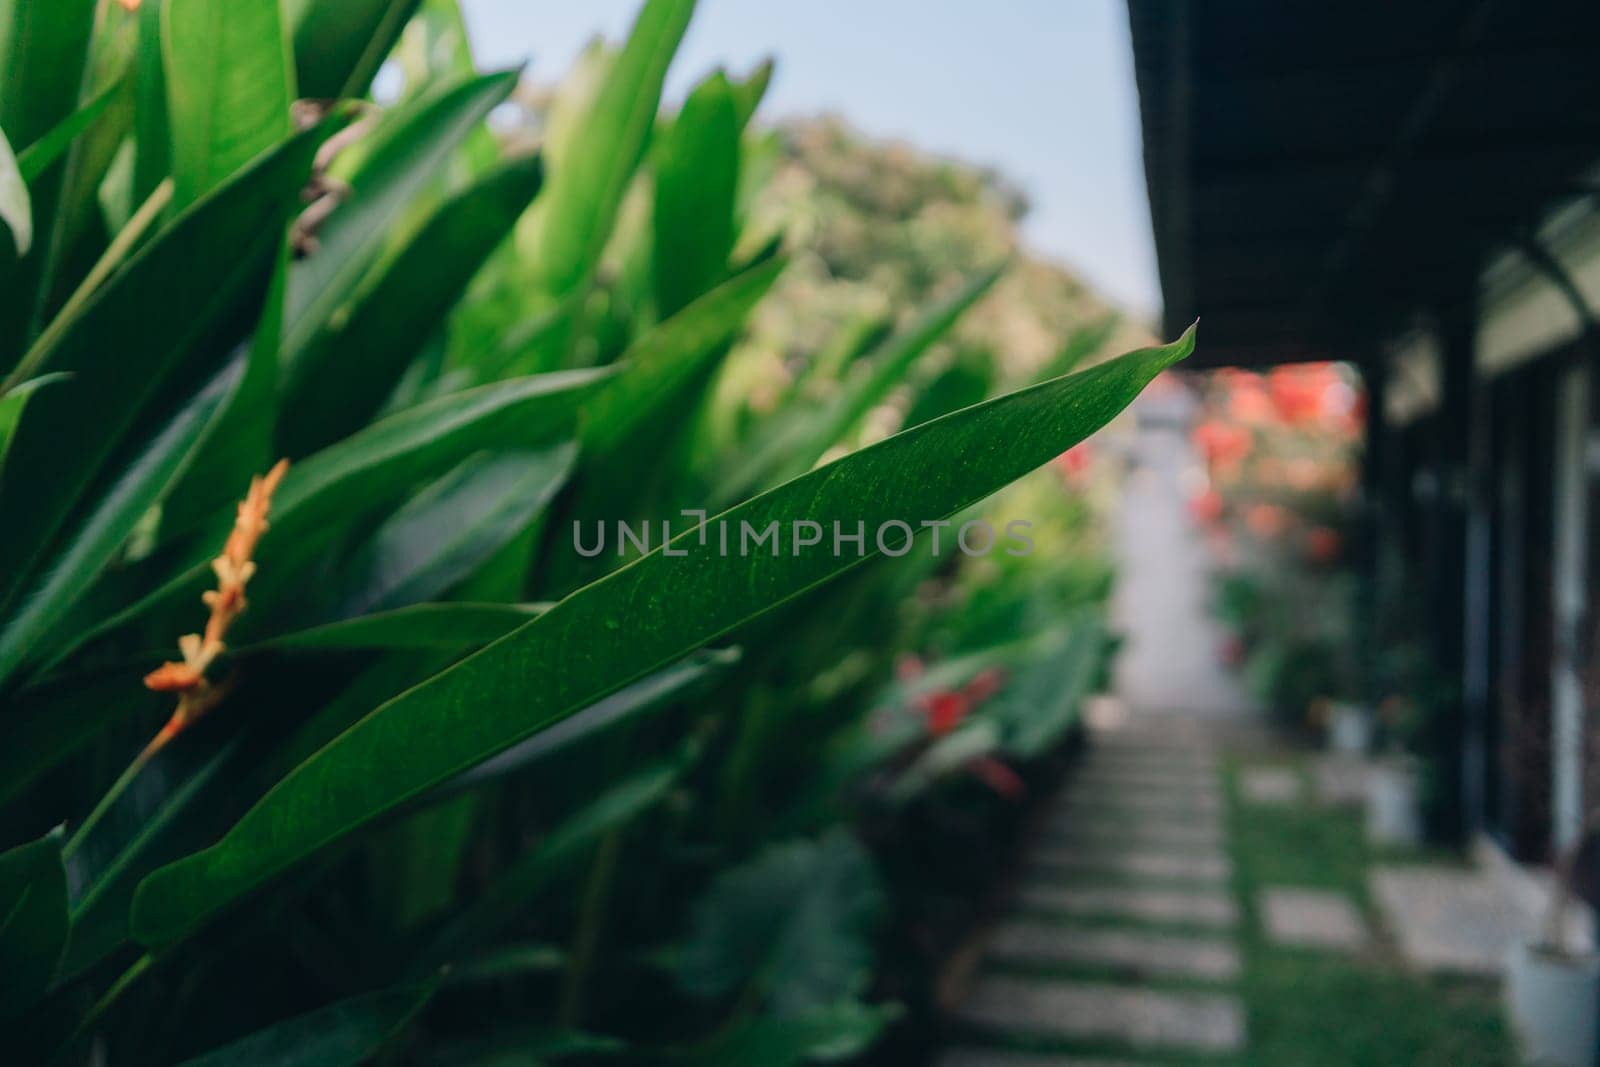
(33,920)
(125,345)
(636,620)
(229,85)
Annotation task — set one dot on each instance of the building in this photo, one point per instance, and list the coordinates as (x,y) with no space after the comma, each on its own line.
(1412,187)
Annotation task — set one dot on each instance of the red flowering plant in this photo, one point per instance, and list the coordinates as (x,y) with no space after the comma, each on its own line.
(1277,497)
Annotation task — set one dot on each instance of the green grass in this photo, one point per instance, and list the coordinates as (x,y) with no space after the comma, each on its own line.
(1313,1008)
(1306,1008)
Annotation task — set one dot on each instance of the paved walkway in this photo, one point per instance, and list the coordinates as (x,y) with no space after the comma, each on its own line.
(1122,938)
(1121,945)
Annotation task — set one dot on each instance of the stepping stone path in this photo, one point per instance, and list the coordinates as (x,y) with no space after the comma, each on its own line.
(1313,918)
(1121,942)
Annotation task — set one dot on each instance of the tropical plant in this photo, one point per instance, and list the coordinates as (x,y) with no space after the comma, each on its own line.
(326,385)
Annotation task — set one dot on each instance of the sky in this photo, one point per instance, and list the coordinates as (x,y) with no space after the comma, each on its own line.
(1042,90)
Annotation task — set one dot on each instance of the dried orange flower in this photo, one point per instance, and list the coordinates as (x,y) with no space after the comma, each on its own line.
(196,694)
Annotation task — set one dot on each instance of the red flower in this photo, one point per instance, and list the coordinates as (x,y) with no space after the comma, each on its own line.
(1322,544)
(944,711)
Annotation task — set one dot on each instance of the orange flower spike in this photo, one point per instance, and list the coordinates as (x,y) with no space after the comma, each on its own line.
(233,568)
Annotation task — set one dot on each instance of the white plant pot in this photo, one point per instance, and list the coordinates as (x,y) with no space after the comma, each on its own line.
(1394,805)
(1350,729)
(1554,1001)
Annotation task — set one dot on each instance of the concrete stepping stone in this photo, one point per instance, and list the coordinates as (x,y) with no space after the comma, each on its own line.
(1465,921)
(1270,786)
(1197,907)
(1089,835)
(1313,918)
(1168,802)
(1085,1011)
(1151,784)
(1178,866)
(1341,781)
(1139,953)
(1122,825)
(992,1057)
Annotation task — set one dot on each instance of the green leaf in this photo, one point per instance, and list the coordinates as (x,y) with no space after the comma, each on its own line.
(47,724)
(42,51)
(837,1032)
(635,620)
(101,532)
(647,694)
(950,753)
(799,444)
(11,404)
(420,626)
(340,44)
(510,894)
(697,180)
(409,149)
(660,370)
(446,532)
(33,920)
(749,93)
(36,158)
(229,86)
(15,210)
(343,1034)
(797,921)
(588,180)
(347,374)
(1043,699)
(125,345)
(365,474)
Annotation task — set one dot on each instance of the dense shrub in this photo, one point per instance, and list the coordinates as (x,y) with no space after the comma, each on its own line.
(423,776)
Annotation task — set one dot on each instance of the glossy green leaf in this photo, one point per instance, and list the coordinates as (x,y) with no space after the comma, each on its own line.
(836,1032)
(340,44)
(343,1034)
(42,50)
(675,683)
(673,355)
(800,443)
(229,86)
(420,626)
(126,343)
(633,621)
(442,535)
(99,533)
(366,473)
(697,180)
(347,374)
(798,921)
(588,180)
(12,402)
(36,158)
(33,921)
(408,150)
(16,211)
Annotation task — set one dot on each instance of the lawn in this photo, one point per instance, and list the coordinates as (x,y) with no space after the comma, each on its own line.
(1309,1007)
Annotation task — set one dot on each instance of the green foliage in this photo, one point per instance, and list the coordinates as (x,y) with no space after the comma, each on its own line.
(796,922)
(33,899)
(441,752)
